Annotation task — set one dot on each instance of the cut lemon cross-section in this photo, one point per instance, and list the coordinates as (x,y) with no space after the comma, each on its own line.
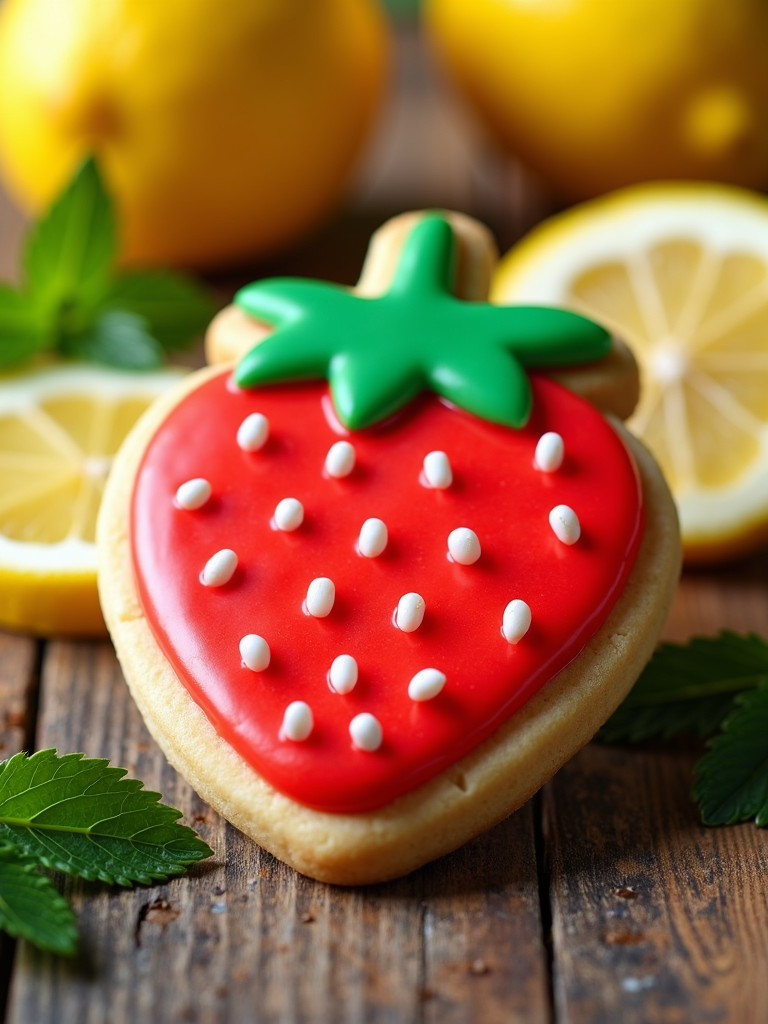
(59,429)
(680,271)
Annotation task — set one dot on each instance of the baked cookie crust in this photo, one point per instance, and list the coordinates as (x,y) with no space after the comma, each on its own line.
(469,797)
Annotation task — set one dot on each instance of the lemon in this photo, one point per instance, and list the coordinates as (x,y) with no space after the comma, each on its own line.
(224,129)
(597,94)
(680,271)
(60,426)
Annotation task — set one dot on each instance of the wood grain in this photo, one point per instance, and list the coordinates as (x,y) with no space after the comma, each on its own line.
(18,692)
(18,703)
(244,938)
(656,917)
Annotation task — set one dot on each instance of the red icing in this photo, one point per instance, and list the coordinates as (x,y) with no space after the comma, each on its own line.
(496,492)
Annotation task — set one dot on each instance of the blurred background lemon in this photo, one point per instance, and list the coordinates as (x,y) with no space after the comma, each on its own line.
(224,130)
(596,94)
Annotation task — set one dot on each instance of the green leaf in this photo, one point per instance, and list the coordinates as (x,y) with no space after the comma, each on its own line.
(175,307)
(472,353)
(701,717)
(30,907)
(689,687)
(23,330)
(80,815)
(116,338)
(732,778)
(69,253)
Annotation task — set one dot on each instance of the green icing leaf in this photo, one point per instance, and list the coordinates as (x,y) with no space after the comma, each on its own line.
(69,253)
(30,907)
(380,352)
(116,338)
(80,815)
(732,778)
(175,308)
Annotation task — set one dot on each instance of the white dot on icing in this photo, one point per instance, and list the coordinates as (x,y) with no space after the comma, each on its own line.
(219,569)
(340,460)
(366,732)
(343,674)
(373,538)
(464,546)
(565,524)
(298,722)
(289,514)
(254,650)
(437,471)
(516,621)
(253,432)
(550,451)
(410,612)
(426,684)
(193,494)
(320,597)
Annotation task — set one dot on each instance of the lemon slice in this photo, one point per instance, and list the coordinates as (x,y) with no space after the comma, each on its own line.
(680,271)
(59,430)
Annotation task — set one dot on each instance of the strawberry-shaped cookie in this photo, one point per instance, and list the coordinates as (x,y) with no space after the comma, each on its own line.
(368,618)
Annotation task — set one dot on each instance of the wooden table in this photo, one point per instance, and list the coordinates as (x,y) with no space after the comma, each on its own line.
(602,900)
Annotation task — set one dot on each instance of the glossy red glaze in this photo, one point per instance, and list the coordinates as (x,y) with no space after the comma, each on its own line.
(497,492)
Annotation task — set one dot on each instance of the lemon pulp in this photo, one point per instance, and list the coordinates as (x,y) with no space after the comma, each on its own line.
(681,273)
(59,430)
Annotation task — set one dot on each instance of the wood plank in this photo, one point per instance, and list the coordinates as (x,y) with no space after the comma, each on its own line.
(18,692)
(18,704)
(484,952)
(244,938)
(654,916)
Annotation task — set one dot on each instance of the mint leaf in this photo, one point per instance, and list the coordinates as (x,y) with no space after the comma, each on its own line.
(689,687)
(116,338)
(22,328)
(80,815)
(701,716)
(30,907)
(175,307)
(69,253)
(732,778)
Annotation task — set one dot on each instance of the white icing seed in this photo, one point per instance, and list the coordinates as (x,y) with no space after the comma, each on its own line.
(463,545)
(516,621)
(253,432)
(366,732)
(343,674)
(193,494)
(565,524)
(426,684)
(320,597)
(373,538)
(340,460)
(289,514)
(219,569)
(254,650)
(437,470)
(549,452)
(410,612)
(298,721)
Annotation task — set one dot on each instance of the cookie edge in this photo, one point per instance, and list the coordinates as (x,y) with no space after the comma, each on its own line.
(469,797)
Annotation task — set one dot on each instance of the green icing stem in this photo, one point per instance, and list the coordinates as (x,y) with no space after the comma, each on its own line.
(379,353)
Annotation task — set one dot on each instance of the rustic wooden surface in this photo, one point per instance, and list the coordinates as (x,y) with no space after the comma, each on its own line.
(602,900)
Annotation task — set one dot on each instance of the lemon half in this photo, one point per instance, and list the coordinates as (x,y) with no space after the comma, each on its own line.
(59,430)
(680,271)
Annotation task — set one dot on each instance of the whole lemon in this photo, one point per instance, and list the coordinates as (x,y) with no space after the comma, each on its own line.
(595,94)
(224,129)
